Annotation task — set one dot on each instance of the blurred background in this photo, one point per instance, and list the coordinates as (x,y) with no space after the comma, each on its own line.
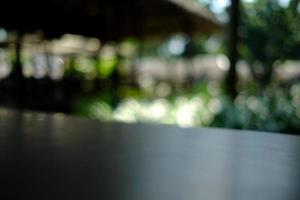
(193,63)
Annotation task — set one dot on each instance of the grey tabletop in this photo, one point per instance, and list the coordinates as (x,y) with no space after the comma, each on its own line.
(57,157)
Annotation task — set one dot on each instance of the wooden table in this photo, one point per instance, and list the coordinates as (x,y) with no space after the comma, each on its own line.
(56,157)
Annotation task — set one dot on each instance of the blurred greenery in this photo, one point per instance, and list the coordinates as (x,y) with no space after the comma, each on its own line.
(269,32)
(276,109)
(107,87)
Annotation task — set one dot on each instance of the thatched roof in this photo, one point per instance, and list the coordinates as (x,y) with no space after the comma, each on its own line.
(108,19)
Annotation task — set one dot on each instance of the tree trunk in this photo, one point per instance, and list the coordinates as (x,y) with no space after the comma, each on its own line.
(16,76)
(231,78)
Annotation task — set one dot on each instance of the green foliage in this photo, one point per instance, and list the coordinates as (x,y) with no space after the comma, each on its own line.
(269,33)
(275,109)
(84,67)
(105,67)
(94,108)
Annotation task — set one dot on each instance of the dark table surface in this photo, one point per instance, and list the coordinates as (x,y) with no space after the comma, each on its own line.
(56,157)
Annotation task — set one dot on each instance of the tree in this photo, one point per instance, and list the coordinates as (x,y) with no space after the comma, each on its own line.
(232,51)
(269,32)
